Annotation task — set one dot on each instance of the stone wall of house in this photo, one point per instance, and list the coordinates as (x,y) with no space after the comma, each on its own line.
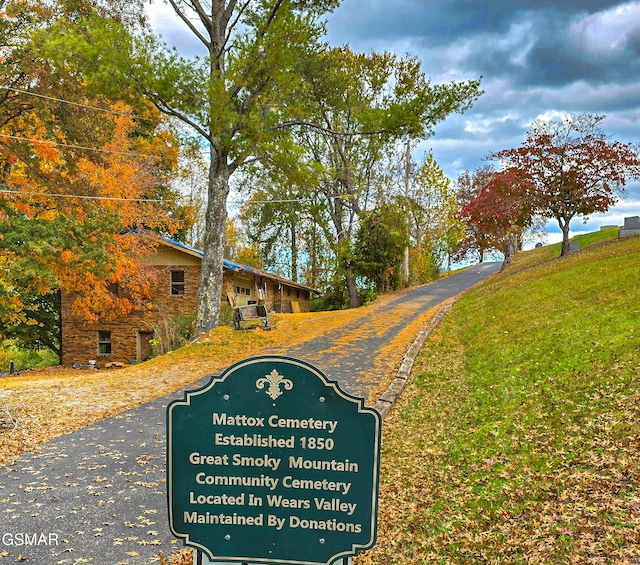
(130,334)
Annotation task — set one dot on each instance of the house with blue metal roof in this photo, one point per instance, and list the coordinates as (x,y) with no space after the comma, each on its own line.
(138,335)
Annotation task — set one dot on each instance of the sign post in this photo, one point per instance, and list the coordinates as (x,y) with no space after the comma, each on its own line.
(273,463)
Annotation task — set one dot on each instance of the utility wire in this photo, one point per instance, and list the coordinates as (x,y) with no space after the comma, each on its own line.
(86,106)
(180,197)
(85,197)
(242,203)
(293,200)
(69,146)
(78,104)
(82,106)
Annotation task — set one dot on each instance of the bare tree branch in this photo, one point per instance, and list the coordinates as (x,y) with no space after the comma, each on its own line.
(183,16)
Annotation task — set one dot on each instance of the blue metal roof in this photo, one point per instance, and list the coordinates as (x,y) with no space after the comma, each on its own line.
(238,267)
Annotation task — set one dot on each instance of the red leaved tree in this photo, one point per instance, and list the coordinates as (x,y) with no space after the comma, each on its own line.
(475,240)
(572,169)
(500,210)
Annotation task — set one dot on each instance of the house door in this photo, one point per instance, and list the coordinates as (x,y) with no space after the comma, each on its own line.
(143,345)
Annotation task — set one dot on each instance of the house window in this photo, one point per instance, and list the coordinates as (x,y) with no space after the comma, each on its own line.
(243,290)
(113,288)
(104,342)
(177,283)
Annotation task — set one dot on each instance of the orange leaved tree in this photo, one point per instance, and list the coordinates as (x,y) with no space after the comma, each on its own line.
(73,204)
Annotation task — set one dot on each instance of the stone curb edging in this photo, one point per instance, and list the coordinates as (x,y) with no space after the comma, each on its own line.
(386,400)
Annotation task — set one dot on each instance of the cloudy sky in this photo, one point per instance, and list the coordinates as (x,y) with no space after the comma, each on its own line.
(538,59)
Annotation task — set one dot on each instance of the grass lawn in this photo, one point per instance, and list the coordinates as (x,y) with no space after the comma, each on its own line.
(518,439)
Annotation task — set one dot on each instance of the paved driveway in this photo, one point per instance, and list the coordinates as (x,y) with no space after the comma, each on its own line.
(98,495)
(354,355)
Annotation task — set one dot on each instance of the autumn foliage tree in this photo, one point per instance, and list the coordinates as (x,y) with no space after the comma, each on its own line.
(475,240)
(68,213)
(79,173)
(500,210)
(571,168)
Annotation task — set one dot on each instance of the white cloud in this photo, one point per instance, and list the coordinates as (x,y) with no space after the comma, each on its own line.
(608,33)
(172,29)
(162,16)
(488,125)
(519,40)
(550,116)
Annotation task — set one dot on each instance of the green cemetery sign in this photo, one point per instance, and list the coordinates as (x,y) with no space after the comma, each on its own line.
(273,463)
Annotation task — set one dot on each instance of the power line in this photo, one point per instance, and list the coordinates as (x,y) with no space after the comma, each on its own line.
(80,105)
(87,106)
(68,146)
(241,203)
(85,197)
(293,200)
(166,200)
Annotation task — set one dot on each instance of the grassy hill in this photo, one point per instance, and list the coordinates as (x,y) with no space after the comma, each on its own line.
(518,440)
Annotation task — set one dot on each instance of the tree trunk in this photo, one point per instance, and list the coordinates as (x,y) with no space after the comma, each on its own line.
(294,252)
(352,288)
(210,287)
(336,207)
(314,257)
(58,350)
(512,247)
(564,226)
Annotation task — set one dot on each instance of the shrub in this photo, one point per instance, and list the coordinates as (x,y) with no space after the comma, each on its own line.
(25,358)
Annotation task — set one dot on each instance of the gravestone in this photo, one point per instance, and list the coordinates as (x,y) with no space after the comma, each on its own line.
(631,227)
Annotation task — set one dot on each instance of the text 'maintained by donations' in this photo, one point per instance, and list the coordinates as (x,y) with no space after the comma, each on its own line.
(284,473)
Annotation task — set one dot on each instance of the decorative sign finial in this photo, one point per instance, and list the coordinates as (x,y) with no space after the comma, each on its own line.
(274,379)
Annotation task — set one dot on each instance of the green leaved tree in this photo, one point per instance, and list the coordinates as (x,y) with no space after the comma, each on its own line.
(239,99)
(378,246)
(358,108)
(265,74)
(433,223)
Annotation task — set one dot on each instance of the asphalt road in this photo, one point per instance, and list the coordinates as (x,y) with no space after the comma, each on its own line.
(98,495)
(354,355)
